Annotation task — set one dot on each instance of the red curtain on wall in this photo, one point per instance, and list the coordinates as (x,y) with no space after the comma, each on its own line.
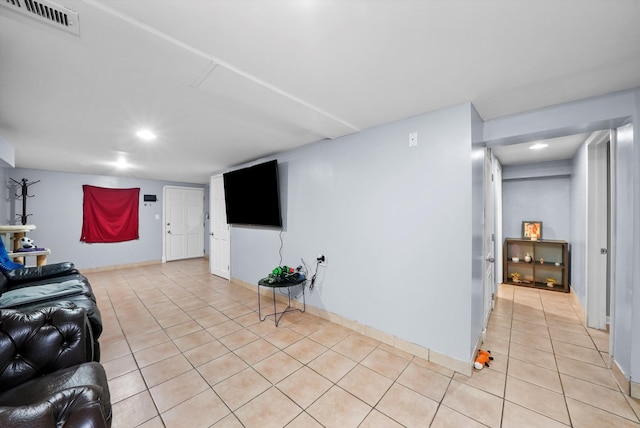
(109,215)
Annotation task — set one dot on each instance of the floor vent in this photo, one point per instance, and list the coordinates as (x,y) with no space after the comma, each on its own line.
(46,11)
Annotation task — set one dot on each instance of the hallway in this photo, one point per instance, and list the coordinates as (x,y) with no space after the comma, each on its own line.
(553,365)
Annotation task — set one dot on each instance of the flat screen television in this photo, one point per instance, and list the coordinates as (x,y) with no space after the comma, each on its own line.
(252,196)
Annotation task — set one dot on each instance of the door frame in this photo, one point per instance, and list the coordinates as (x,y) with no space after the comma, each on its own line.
(497,215)
(613,138)
(489,243)
(598,236)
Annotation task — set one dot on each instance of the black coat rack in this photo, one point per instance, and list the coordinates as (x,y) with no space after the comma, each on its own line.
(24,184)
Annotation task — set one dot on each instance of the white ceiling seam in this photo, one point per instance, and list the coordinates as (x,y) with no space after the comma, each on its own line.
(233,86)
(352,128)
(202,76)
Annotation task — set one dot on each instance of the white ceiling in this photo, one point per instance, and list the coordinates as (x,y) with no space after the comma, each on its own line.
(228,81)
(561,148)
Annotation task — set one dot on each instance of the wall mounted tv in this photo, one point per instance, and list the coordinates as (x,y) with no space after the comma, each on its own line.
(252,196)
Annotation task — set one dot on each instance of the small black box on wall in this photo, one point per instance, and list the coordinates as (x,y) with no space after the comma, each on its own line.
(150,198)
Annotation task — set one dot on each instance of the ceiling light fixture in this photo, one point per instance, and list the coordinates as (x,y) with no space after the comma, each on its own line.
(146,135)
(538,146)
(122,163)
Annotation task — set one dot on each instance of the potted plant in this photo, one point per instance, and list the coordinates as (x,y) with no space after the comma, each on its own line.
(515,276)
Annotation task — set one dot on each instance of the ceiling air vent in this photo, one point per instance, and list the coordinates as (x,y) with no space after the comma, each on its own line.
(46,11)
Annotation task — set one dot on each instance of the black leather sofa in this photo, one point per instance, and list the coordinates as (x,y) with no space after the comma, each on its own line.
(56,285)
(47,376)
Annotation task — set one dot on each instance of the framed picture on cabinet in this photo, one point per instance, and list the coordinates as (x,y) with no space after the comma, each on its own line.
(532,230)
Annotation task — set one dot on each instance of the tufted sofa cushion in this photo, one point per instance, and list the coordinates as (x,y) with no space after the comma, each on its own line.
(78,393)
(46,377)
(40,342)
(68,291)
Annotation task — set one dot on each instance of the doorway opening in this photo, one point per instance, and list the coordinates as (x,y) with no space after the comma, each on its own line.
(567,188)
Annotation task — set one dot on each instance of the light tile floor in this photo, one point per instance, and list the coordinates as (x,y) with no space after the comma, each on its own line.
(183,348)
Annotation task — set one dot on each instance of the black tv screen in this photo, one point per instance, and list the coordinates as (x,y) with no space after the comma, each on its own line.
(252,196)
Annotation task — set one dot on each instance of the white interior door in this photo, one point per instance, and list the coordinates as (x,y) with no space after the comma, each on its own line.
(219,242)
(489,235)
(597,231)
(183,223)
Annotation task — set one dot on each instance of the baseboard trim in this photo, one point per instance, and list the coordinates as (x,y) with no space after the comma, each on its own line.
(123,266)
(577,305)
(131,265)
(627,386)
(635,389)
(451,363)
(621,378)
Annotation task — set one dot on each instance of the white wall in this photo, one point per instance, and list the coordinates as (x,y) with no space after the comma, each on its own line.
(593,114)
(579,224)
(4,195)
(7,154)
(7,161)
(57,214)
(635,238)
(394,222)
(547,199)
(477,223)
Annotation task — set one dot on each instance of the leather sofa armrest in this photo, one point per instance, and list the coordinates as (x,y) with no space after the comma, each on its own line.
(40,342)
(33,273)
(72,407)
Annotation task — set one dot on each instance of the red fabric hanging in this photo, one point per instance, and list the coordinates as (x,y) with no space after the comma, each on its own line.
(109,215)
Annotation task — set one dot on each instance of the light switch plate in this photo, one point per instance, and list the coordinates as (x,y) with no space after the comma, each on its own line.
(413,139)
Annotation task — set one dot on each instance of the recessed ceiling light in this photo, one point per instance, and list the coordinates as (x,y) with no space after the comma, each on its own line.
(538,146)
(146,135)
(122,163)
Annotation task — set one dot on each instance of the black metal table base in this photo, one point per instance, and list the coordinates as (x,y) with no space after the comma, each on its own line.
(277,316)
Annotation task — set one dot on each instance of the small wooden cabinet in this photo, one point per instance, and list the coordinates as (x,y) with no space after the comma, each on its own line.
(548,268)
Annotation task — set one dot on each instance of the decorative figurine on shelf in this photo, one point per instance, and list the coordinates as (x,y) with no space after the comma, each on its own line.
(541,261)
(527,258)
(26,244)
(515,276)
(551,282)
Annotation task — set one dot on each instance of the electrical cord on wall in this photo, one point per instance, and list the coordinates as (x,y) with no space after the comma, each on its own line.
(295,296)
(281,245)
(315,274)
(304,269)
